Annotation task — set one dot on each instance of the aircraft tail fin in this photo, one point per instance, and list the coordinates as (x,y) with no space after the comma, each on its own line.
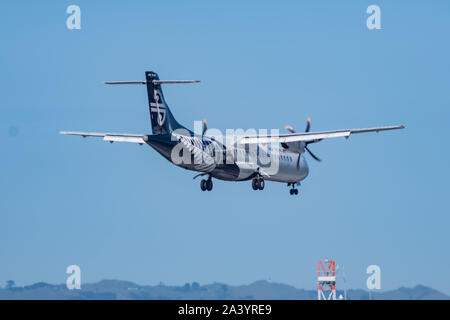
(162,120)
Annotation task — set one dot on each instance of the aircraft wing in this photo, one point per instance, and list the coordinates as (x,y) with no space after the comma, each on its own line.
(311,136)
(111,137)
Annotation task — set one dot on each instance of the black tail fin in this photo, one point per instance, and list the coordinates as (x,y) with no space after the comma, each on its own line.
(161,118)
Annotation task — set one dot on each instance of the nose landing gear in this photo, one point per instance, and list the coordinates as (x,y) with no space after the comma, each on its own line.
(294,190)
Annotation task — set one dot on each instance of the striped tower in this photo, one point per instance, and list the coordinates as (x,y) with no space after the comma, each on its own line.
(326,281)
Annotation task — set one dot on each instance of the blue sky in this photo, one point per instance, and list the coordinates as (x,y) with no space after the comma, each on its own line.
(121,211)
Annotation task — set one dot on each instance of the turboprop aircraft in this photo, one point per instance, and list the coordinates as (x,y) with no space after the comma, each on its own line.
(255,157)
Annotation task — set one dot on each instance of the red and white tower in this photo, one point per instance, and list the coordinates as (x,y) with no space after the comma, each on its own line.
(326,281)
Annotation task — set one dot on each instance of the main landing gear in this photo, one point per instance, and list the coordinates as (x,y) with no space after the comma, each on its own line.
(206,184)
(294,190)
(258,183)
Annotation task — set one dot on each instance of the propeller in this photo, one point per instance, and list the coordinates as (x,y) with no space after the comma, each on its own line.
(204,127)
(290,129)
(312,154)
(308,127)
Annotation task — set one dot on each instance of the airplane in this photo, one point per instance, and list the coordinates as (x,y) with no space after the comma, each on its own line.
(259,157)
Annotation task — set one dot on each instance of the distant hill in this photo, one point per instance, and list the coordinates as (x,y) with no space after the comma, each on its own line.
(117,289)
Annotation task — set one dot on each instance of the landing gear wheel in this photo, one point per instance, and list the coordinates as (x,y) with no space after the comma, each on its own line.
(261,184)
(293,190)
(203,185)
(255,184)
(258,184)
(209,184)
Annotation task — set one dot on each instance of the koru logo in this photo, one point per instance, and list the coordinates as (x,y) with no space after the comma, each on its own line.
(160,109)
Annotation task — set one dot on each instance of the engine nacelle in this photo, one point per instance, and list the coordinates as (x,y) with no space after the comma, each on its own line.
(297,146)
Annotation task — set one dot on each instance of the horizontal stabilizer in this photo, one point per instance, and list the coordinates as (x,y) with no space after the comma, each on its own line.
(155,82)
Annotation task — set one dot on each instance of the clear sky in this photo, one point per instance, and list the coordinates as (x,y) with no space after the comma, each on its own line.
(121,211)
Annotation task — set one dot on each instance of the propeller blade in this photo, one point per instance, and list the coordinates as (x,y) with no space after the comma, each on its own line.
(205,126)
(289,128)
(298,161)
(308,125)
(312,154)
